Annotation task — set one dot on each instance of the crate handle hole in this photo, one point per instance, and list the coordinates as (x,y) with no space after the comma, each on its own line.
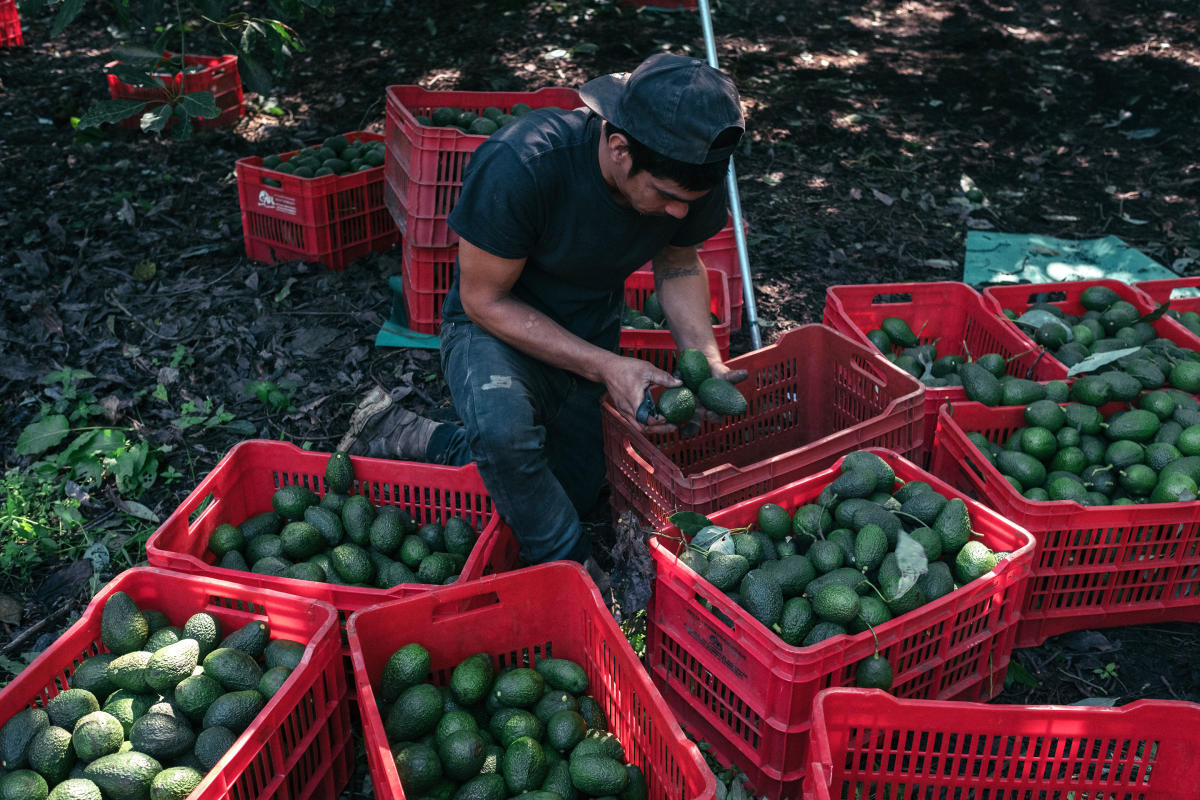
(1046,297)
(882,299)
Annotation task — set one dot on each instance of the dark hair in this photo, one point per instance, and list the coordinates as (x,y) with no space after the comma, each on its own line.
(693,177)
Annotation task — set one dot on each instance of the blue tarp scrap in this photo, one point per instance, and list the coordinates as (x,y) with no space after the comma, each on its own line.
(1007,258)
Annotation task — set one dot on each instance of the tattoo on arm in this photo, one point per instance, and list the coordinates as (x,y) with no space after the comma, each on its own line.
(677,272)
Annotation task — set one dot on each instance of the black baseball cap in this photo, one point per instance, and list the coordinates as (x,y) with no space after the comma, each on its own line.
(676,106)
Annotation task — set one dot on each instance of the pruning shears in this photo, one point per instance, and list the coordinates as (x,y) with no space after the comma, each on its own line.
(647,409)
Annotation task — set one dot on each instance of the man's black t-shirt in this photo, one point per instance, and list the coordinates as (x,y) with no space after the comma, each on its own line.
(534,190)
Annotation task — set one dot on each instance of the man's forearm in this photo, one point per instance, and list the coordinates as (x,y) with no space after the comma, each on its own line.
(683,292)
(535,334)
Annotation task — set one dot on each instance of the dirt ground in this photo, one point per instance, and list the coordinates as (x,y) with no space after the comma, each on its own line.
(867,121)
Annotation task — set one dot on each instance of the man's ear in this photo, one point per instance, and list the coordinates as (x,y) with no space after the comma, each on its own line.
(618,148)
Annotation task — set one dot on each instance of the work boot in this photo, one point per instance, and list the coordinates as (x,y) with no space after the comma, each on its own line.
(380,428)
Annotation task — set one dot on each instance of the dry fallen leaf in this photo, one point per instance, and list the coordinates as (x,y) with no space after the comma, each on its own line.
(10,610)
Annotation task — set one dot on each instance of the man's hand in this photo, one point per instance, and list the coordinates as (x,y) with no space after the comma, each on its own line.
(627,380)
(719,370)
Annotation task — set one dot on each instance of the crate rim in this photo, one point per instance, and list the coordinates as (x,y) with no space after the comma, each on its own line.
(820,756)
(372,596)
(640,675)
(1020,559)
(915,397)
(1017,504)
(325,637)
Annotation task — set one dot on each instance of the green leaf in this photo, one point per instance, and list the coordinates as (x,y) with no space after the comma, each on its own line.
(110,111)
(257,78)
(202,105)
(40,436)
(283,32)
(136,76)
(156,119)
(689,521)
(242,426)
(912,561)
(1098,702)
(1019,674)
(1037,317)
(1098,360)
(713,539)
(1156,313)
(67,13)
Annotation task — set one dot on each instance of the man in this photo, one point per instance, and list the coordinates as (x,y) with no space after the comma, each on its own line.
(556,210)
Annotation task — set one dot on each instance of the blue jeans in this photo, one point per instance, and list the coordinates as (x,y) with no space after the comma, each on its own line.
(534,432)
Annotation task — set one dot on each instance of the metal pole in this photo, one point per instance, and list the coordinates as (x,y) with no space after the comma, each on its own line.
(735,201)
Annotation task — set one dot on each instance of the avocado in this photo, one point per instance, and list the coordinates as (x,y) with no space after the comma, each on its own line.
(563,674)
(67,707)
(51,754)
(76,789)
(212,743)
(123,628)
(472,679)
(175,783)
(415,713)
(205,629)
(196,693)
(23,784)
(981,385)
(677,405)
(161,736)
(721,397)
(171,664)
(299,540)
(762,596)
(251,638)
(267,522)
(92,675)
(519,688)
(290,501)
(694,368)
(124,776)
(524,766)
(234,710)
(233,669)
(97,735)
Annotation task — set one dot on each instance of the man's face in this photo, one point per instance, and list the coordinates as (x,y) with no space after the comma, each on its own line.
(657,197)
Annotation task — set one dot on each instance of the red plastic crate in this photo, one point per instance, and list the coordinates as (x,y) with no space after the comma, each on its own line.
(219,76)
(550,610)
(10,24)
(812,396)
(658,346)
(241,486)
(1160,291)
(952,314)
(748,694)
(299,746)
(866,743)
(425,165)
(1095,566)
(1066,296)
(427,274)
(333,219)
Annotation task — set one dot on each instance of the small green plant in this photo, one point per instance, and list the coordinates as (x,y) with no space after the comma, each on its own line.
(1106,673)
(35,521)
(276,397)
(262,44)
(634,629)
